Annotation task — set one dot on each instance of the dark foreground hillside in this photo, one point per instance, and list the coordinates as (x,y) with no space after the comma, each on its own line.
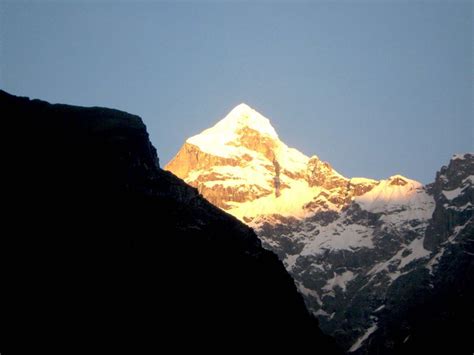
(100,244)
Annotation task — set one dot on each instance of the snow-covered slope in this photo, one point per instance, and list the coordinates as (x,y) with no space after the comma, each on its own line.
(241,165)
(215,140)
(349,243)
(391,194)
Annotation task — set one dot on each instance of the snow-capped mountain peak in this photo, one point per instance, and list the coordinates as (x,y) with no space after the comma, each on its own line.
(221,139)
(242,166)
(240,160)
(392,193)
(244,116)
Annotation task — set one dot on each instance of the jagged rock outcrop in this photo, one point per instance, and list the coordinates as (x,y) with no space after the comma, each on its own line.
(364,253)
(242,166)
(430,308)
(103,249)
(454,195)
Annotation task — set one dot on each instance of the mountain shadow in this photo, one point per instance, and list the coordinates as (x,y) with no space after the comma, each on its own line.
(103,249)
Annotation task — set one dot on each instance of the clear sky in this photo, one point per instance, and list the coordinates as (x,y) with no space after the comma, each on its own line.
(375,88)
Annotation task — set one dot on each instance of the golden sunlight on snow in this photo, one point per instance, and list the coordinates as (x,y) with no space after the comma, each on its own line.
(242,166)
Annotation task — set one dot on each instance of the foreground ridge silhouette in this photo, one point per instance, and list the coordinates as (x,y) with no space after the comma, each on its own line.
(104,246)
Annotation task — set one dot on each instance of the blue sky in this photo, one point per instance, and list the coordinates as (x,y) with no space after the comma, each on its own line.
(375,88)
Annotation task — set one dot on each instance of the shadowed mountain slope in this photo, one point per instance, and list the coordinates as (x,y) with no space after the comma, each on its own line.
(102,245)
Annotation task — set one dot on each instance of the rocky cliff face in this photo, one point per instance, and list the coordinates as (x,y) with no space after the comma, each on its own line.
(243,167)
(103,249)
(366,266)
(430,307)
(362,252)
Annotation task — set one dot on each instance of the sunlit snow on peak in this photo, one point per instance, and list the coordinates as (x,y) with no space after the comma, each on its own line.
(245,116)
(214,140)
(252,173)
(394,193)
(242,108)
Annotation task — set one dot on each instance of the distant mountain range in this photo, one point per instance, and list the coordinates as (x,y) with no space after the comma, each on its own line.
(386,265)
(102,251)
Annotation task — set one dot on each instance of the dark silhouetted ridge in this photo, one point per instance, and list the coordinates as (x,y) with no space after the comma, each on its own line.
(100,244)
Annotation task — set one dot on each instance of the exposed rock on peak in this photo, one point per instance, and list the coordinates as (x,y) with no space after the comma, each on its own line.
(241,160)
(242,166)
(398,180)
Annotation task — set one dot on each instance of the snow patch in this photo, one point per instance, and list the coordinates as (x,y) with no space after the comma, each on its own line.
(336,236)
(340,280)
(469,179)
(289,203)
(468,205)
(398,261)
(379,308)
(434,261)
(308,292)
(290,261)
(452,194)
(458,157)
(417,251)
(321,312)
(363,338)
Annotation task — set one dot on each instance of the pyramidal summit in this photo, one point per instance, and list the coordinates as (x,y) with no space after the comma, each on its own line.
(242,166)
(372,258)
